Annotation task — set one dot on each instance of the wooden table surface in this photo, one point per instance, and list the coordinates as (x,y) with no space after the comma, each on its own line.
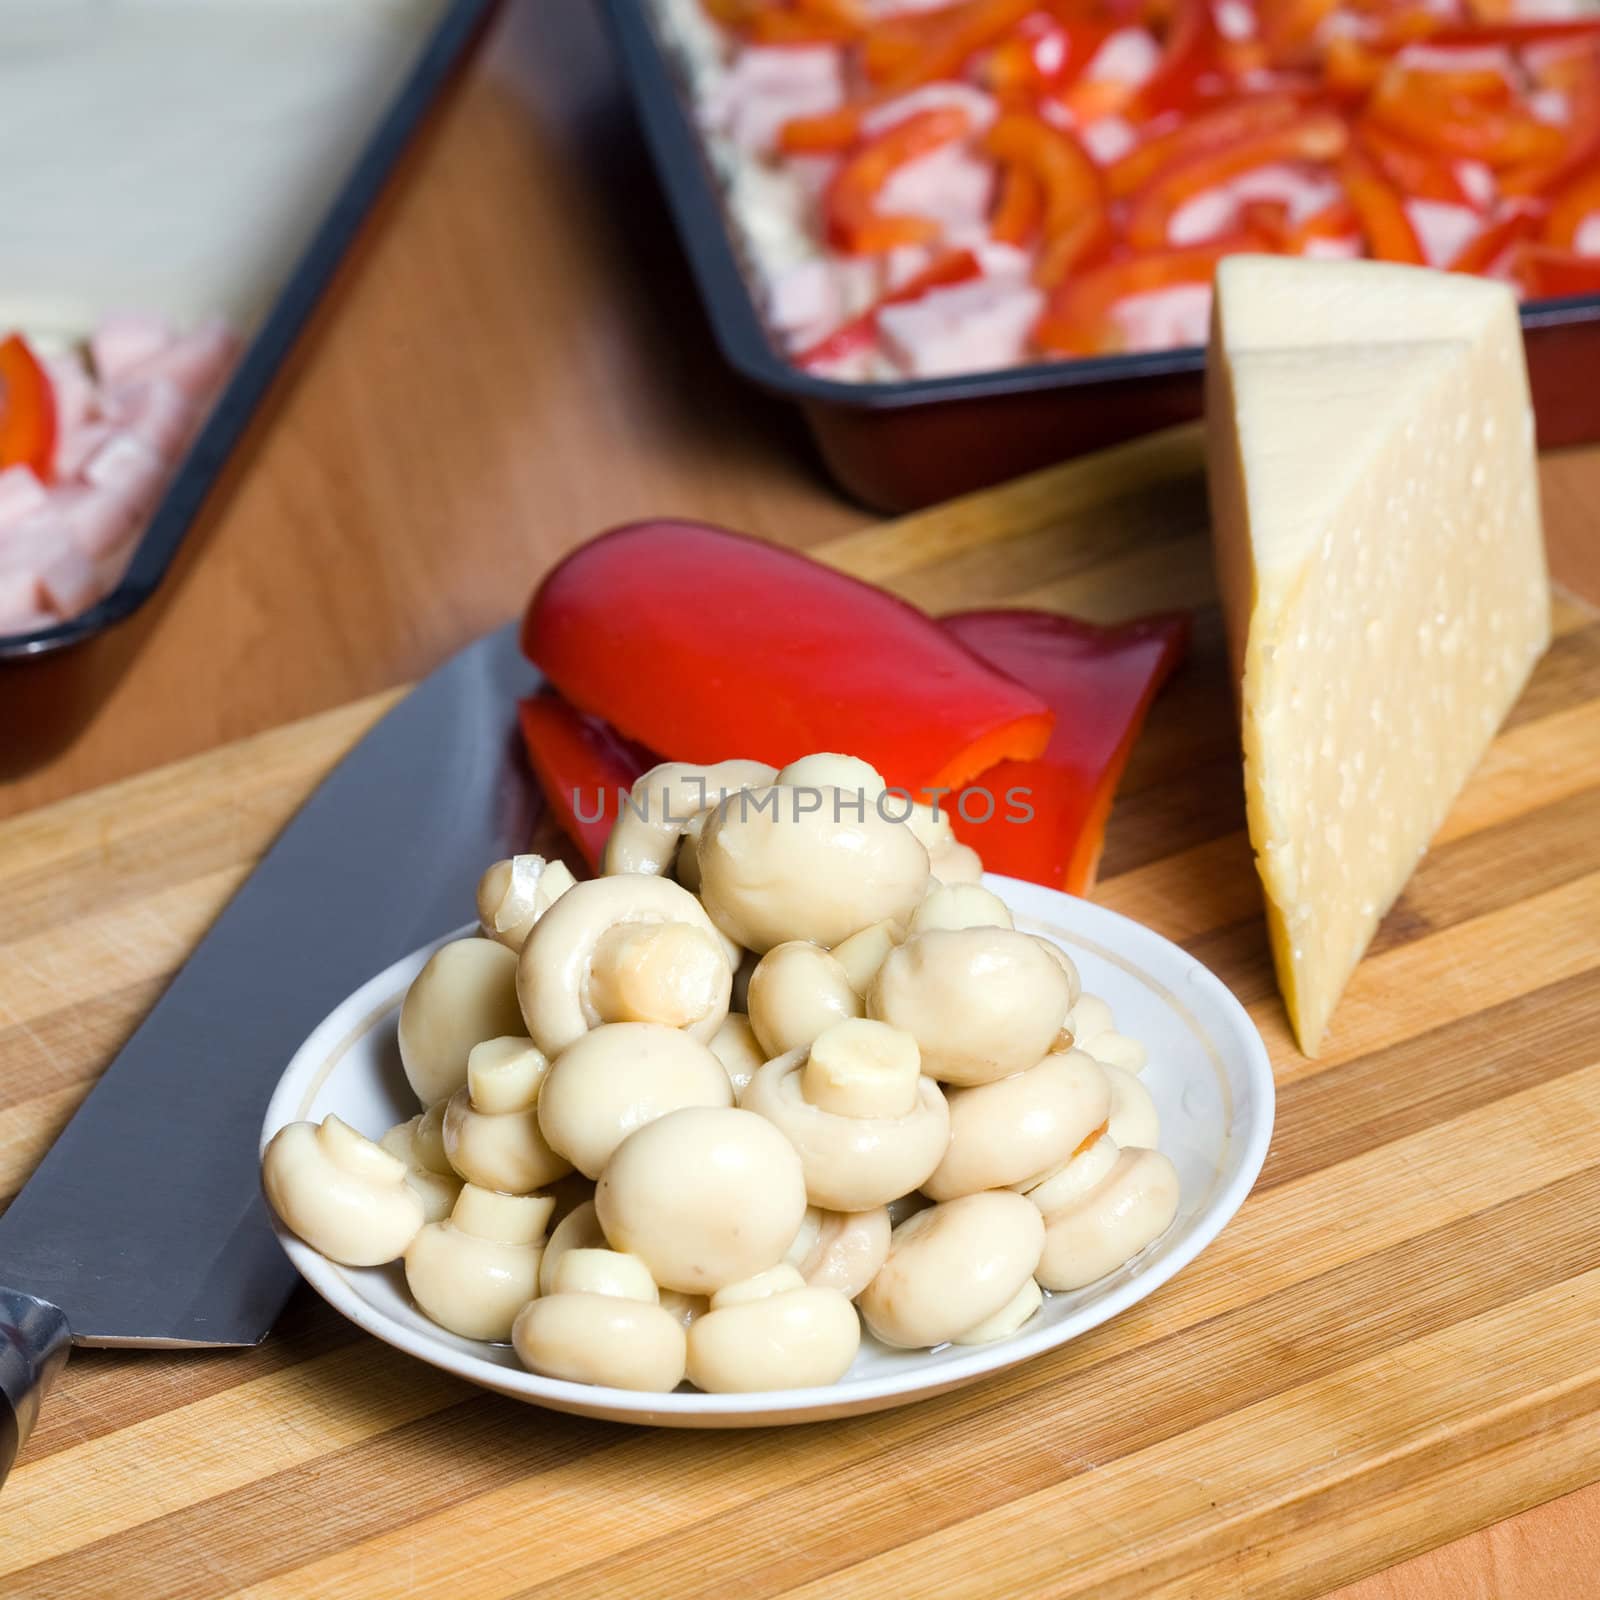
(517,361)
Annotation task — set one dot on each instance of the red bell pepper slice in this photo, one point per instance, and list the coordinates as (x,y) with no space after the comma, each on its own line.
(1550,273)
(959,266)
(1569,208)
(1335,221)
(806,22)
(942,45)
(1463,127)
(27,409)
(1074,220)
(699,642)
(1517,34)
(1316,136)
(1481,253)
(584,766)
(1078,321)
(1384,223)
(850,205)
(1195,136)
(1020,208)
(1185,53)
(1417,173)
(1100,682)
(823,133)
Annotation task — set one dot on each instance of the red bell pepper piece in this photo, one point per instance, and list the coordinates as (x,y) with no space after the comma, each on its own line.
(1185,55)
(1100,682)
(699,642)
(824,133)
(1020,207)
(1074,219)
(1462,127)
(1580,199)
(945,41)
(958,267)
(1198,135)
(584,766)
(1550,273)
(27,409)
(1481,253)
(1517,34)
(1316,136)
(850,205)
(804,22)
(1384,223)
(1417,173)
(1336,221)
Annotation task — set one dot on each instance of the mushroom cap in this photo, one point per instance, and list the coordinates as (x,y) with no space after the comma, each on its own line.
(829,770)
(465,994)
(841,1249)
(952,861)
(602,1339)
(618,1077)
(1017,1128)
(503,1150)
(513,894)
(341,1193)
(735,1045)
(704,1197)
(786,863)
(960,905)
(952,1267)
(796,991)
(664,802)
(555,978)
(783,1335)
(579,1230)
(1064,961)
(1131,1206)
(864,952)
(473,1272)
(982,1003)
(851,1163)
(1133,1123)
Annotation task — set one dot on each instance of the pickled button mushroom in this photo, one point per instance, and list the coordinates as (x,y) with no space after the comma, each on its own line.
(473,1272)
(867,1125)
(812,863)
(618,1077)
(953,1267)
(624,949)
(465,994)
(796,991)
(578,1230)
(735,1045)
(950,860)
(1094,1031)
(663,804)
(420,1144)
(1067,965)
(513,894)
(864,952)
(343,1194)
(491,1127)
(1101,1210)
(685,1307)
(1009,1319)
(1004,1133)
(840,1249)
(704,1197)
(960,905)
(982,1003)
(773,1331)
(1133,1122)
(601,1324)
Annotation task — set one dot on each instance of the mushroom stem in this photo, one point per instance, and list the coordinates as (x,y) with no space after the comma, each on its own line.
(359,1156)
(862,1069)
(664,972)
(775,1280)
(503,1075)
(508,1218)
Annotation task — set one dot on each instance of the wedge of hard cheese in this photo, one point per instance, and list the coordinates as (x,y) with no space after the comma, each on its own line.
(1375,503)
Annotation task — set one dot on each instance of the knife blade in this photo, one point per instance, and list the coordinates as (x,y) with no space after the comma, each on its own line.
(144,1224)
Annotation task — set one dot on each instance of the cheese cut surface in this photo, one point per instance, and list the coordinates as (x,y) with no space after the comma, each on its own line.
(1375,503)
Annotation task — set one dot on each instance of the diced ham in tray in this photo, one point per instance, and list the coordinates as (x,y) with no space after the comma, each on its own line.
(125,408)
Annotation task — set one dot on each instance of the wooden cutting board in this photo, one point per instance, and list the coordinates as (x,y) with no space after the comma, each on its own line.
(1395,1341)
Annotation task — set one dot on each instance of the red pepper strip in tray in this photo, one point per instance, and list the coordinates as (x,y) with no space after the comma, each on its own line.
(1184,56)
(1517,34)
(1554,273)
(1580,199)
(581,763)
(1196,136)
(1417,173)
(958,267)
(1020,208)
(1079,320)
(1074,223)
(951,37)
(1317,136)
(1483,252)
(1384,223)
(1100,682)
(27,409)
(697,642)
(850,205)
(1463,128)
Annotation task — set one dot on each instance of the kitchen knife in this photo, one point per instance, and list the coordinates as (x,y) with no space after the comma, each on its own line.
(144,1224)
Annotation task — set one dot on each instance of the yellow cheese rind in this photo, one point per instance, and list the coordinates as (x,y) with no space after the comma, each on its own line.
(1382,577)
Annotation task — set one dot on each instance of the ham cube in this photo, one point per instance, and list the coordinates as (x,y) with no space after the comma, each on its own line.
(21,604)
(128,467)
(124,340)
(72,389)
(965,328)
(198,362)
(98,521)
(950,185)
(75,450)
(157,411)
(21,493)
(68,580)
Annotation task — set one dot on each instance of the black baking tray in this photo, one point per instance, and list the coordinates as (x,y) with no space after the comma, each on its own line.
(898,445)
(51,680)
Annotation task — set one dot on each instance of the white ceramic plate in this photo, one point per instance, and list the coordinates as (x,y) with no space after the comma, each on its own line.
(1208,1073)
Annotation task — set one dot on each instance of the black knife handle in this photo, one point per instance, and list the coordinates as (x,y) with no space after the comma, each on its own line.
(33,1348)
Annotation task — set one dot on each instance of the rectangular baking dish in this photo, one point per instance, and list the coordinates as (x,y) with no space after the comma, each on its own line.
(52,680)
(898,445)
